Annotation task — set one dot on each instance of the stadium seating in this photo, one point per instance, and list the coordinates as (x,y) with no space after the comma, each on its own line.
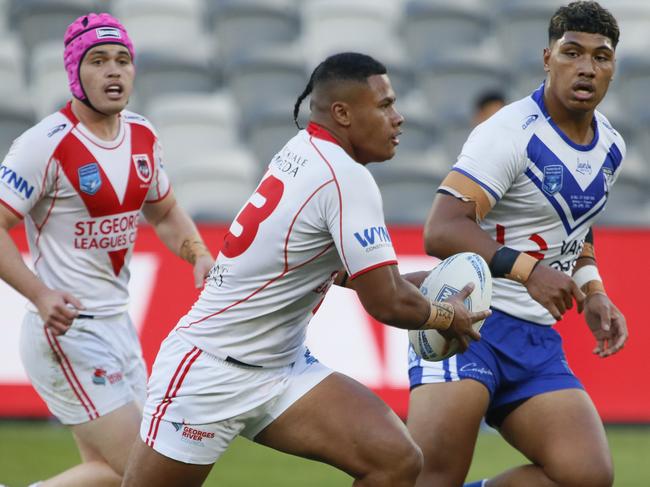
(269,129)
(434,27)
(48,80)
(258,55)
(274,75)
(194,125)
(522,28)
(214,186)
(172,71)
(39,21)
(164,24)
(451,83)
(240,26)
(332,26)
(16,116)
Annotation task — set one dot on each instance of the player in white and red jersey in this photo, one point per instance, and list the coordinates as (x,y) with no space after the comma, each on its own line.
(79,179)
(237,363)
(525,190)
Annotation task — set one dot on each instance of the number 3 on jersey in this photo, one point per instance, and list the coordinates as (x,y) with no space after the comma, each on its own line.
(252,216)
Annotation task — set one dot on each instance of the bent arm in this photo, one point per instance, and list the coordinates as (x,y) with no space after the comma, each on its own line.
(175,228)
(451,228)
(390,299)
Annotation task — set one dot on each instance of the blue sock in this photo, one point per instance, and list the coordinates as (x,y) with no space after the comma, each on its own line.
(478,483)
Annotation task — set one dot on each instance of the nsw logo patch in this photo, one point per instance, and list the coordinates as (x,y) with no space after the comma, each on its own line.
(90,180)
(553,176)
(142,167)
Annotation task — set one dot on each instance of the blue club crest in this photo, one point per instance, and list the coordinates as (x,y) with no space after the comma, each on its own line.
(552,179)
(89,178)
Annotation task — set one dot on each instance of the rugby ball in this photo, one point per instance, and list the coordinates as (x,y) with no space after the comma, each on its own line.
(445,280)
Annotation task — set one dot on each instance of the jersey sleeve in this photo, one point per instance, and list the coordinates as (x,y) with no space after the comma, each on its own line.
(160,184)
(355,218)
(492,158)
(25,175)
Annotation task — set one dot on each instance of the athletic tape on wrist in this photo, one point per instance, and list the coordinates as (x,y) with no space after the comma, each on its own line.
(588,280)
(586,274)
(512,264)
(441,314)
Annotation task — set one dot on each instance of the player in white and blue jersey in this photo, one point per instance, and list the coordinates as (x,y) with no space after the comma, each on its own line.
(525,190)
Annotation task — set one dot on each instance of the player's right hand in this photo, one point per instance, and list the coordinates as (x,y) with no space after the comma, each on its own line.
(461,326)
(554,290)
(58,309)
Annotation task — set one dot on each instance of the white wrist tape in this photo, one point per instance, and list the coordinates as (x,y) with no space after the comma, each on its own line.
(586,274)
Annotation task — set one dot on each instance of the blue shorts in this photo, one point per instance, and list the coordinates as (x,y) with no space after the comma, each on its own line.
(515,360)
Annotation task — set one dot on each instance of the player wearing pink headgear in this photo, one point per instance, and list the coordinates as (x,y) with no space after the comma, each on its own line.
(79,179)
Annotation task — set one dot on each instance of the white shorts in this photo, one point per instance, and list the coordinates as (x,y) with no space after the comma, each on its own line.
(95,368)
(197,404)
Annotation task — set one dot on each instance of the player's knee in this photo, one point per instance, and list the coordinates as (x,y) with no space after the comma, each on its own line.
(401,466)
(596,474)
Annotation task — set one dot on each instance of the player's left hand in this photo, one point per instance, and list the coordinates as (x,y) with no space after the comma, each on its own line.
(202,268)
(606,323)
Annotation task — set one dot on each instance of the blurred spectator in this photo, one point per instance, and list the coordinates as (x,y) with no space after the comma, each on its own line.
(486,105)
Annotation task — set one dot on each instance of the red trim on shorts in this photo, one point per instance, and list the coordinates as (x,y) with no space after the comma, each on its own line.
(11,208)
(164,404)
(74,381)
(372,267)
(338,189)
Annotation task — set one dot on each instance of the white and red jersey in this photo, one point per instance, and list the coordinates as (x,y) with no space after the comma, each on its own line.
(545,189)
(315,210)
(81,198)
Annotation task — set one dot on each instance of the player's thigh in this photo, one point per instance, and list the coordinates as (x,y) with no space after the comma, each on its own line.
(562,432)
(342,423)
(109,438)
(444,420)
(147,467)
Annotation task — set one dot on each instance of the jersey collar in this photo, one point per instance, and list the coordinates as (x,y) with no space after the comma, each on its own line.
(538,97)
(321,132)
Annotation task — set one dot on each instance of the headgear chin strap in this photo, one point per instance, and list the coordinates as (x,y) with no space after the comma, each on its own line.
(82,35)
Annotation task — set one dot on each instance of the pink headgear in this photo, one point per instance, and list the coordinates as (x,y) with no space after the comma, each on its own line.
(82,35)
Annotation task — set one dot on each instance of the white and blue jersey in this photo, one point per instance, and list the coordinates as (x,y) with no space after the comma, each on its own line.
(545,189)
(545,192)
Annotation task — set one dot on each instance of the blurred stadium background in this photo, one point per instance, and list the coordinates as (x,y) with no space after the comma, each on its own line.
(219,79)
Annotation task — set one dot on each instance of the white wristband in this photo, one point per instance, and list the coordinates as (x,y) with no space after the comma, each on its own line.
(586,274)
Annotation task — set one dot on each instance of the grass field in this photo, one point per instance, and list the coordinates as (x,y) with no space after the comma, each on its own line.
(31,451)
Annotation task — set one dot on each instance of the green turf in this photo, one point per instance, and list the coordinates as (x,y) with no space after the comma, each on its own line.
(34,450)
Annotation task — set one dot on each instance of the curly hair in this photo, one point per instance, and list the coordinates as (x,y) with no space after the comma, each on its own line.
(345,66)
(583,16)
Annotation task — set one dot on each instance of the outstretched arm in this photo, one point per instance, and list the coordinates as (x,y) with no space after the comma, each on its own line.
(57,308)
(179,233)
(605,320)
(393,300)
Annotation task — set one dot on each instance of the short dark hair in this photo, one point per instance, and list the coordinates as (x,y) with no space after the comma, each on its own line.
(489,97)
(345,66)
(583,16)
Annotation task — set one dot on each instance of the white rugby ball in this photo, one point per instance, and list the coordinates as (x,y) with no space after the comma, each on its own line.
(446,279)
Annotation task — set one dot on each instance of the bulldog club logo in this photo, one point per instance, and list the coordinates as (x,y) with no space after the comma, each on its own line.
(143,167)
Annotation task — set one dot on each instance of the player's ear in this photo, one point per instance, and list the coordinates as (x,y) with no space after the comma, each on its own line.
(340,112)
(546,57)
